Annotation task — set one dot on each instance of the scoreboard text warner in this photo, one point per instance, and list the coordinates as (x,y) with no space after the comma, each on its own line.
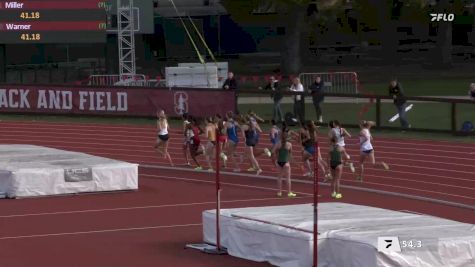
(53,21)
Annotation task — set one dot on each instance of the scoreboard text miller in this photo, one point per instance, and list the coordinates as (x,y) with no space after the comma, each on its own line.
(52,21)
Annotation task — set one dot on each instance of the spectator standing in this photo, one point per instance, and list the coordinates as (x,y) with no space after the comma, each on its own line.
(397,93)
(317,90)
(231,84)
(299,100)
(277,96)
(471,92)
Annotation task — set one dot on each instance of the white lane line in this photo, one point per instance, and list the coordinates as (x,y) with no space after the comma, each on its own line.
(415,212)
(345,172)
(415,180)
(293,180)
(129,157)
(92,126)
(139,160)
(147,139)
(175,151)
(140,207)
(102,231)
(133,129)
(382,143)
(223,183)
(64,134)
(411,189)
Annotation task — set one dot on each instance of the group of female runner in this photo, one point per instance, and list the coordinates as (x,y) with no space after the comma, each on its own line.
(225,132)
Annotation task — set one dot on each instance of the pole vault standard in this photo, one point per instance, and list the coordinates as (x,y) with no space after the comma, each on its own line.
(218,249)
(207,248)
(315,205)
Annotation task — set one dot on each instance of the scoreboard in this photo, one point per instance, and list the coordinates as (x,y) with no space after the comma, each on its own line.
(53,21)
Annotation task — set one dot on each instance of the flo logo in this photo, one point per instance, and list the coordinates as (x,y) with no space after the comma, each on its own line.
(442,17)
(181,102)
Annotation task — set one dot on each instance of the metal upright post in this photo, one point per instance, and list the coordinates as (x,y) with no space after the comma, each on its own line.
(219,249)
(315,206)
(126,38)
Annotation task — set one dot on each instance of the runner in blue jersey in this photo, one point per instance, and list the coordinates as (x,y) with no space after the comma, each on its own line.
(232,128)
(251,131)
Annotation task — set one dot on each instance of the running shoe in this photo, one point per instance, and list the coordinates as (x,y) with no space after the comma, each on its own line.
(385,165)
(199,168)
(291,194)
(251,169)
(338,196)
(258,172)
(352,167)
(308,174)
(237,170)
(210,170)
(334,194)
(327,177)
(188,164)
(223,156)
(279,194)
(267,152)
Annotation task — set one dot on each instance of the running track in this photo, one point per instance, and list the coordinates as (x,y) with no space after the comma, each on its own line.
(151,226)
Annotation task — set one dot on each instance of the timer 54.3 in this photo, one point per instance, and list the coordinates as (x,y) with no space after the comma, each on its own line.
(411,243)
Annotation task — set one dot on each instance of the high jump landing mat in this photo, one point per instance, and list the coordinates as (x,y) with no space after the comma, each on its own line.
(31,171)
(349,236)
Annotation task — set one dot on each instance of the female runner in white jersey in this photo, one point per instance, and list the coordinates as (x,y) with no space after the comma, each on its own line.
(366,149)
(163,137)
(339,133)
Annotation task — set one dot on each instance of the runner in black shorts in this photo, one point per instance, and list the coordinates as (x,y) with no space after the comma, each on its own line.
(284,151)
(336,167)
(163,128)
(251,134)
(193,134)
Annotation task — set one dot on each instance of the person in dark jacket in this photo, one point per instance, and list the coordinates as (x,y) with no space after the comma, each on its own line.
(317,90)
(277,96)
(397,93)
(230,83)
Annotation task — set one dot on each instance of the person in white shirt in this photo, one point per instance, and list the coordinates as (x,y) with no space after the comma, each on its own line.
(366,149)
(339,133)
(471,91)
(299,100)
(163,137)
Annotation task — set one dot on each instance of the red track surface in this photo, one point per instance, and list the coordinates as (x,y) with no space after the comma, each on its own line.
(150,227)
